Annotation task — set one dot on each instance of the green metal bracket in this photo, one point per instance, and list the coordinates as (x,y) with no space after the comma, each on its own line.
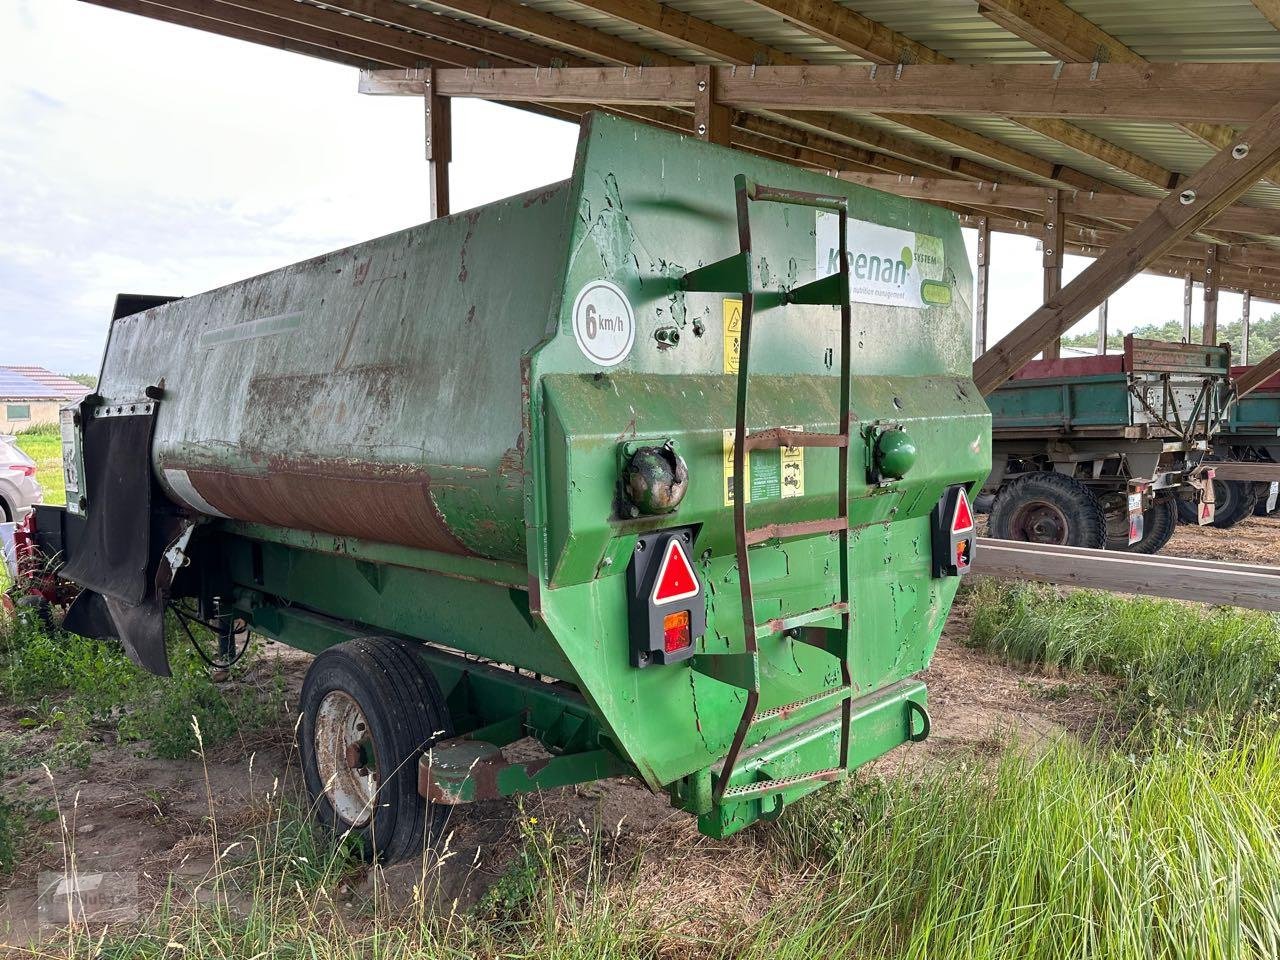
(831,291)
(730,275)
(466,770)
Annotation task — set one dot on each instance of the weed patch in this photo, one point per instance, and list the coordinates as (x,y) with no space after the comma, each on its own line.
(1185,666)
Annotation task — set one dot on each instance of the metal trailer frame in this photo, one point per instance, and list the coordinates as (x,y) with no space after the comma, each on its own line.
(1128,426)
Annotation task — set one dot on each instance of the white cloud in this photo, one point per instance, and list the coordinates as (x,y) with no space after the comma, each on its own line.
(143,157)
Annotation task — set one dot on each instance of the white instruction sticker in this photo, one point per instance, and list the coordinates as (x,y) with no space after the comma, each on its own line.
(603,323)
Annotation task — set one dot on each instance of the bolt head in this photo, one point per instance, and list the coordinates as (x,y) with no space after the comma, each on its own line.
(1240,151)
(1187,197)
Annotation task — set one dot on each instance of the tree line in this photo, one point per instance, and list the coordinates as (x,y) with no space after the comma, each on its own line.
(1264,335)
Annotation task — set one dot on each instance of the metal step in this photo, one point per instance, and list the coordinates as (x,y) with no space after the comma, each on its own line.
(763,788)
(776,437)
(781,531)
(835,694)
(783,624)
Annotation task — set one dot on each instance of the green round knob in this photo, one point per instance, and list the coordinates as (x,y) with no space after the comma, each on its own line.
(895,454)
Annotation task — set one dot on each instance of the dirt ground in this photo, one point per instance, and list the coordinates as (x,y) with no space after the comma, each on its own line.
(153,818)
(1255,540)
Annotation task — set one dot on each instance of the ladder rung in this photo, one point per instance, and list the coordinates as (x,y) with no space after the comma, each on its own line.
(781,531)
(765,787)
(783,624)
(831,290)
(730,275)
(776,437)
(801,198)
(837,694)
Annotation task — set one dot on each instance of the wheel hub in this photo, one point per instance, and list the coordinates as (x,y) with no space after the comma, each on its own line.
(345,758)
(1041,522)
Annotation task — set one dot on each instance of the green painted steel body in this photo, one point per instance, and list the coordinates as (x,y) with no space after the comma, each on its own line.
(1062,403)
(406,437)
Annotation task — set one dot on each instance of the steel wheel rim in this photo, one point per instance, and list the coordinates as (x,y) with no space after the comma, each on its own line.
(1040,522)
(1115,509)
(345,758)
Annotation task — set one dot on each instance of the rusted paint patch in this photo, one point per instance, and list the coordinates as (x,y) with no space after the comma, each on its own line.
(344,498)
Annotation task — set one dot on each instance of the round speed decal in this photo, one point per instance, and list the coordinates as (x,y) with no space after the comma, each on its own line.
(603,324)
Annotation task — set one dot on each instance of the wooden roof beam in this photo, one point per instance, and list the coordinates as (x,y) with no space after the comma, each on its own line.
(1054,27)
(1214,187)
(1112,206)
(1237,91)
(716,41)
(871,40)
(364,59)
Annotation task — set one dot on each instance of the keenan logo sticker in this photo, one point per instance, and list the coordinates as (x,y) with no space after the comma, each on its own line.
(604,324)
(889,266)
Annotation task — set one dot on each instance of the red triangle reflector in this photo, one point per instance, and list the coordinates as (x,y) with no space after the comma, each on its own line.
(962,519)
(676,579)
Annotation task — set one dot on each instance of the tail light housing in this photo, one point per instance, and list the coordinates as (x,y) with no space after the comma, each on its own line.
(22,469)
(666,603)
(954,533)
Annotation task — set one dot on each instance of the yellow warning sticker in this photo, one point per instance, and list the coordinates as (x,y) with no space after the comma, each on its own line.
(728,471)
(792,470)
(732,334)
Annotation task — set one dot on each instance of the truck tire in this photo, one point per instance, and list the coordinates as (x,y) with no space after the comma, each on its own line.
(1234,501)
(1158,525)
(369,709)
(1046,507)
(1263,493)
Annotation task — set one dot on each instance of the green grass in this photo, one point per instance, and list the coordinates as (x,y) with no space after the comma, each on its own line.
(1192,666)
(43,444)
(1075,853)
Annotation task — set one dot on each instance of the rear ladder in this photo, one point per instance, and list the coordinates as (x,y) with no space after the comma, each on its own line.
(736,275)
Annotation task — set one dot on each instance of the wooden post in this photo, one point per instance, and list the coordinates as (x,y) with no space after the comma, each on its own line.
(984,268)
(439,146)
(1188,289)
(1052,244)
(1210,331)
(1244,328)
(711,120)
(1197,200)
(1102,327)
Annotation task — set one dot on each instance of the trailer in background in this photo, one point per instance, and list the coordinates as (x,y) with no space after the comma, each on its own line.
(1099,451)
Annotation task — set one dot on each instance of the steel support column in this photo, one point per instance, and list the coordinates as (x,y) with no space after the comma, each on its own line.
(1188,291)
(711,119)
(1052,243)
(439,146)
(1244,327)
(984,271)
(1209,335)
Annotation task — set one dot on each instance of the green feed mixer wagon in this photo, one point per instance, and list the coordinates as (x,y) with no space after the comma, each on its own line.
(666,466)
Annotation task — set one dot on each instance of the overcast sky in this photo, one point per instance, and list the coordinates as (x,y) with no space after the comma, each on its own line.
(141,157)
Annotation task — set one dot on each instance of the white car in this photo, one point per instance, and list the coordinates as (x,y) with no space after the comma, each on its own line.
(19,491)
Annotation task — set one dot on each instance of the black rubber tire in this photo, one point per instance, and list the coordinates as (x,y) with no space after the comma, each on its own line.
(1234,501)
(1263,493)
(1158,525)
(1077,514)
(405,713)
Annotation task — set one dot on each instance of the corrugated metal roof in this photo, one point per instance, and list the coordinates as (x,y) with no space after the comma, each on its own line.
(1185,29)
(954,28)
(37,383)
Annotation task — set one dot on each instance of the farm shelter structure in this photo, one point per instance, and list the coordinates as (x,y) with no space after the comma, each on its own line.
(1104,126)
(30,396)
